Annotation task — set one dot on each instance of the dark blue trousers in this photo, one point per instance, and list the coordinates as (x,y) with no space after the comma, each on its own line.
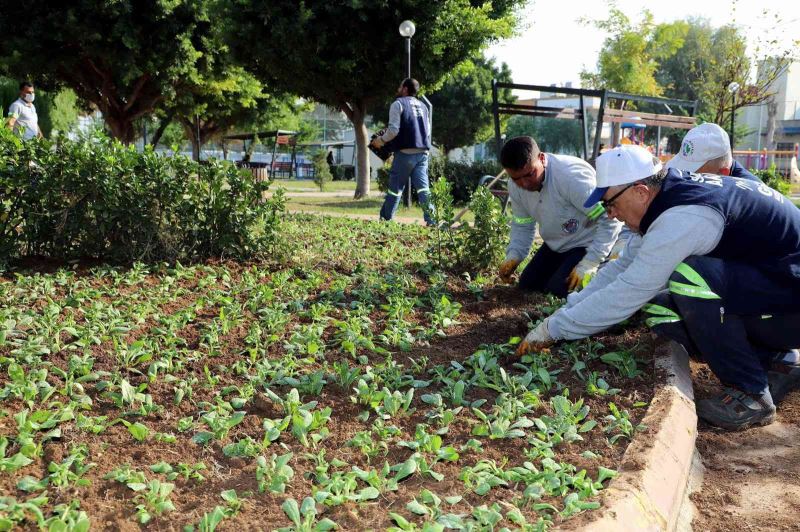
(548,270)
(731,316)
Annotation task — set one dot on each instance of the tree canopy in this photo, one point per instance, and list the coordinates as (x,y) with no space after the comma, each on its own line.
(688,59)
(463,104)
(349,55)
(125,57)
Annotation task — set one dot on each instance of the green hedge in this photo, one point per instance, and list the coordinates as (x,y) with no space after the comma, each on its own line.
(463,176)
(98,198)
(773,179)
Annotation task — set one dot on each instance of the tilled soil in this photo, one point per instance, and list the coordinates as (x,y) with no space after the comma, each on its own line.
(495,319)
(752,478)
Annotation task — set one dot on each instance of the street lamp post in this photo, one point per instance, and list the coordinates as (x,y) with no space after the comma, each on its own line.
(733,88)
(407,30)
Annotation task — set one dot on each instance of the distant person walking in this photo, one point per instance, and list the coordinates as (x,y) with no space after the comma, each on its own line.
(22,117)
(409,136)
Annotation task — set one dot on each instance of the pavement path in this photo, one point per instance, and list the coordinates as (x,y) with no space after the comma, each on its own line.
(750,480)
(318,194)
(368,217)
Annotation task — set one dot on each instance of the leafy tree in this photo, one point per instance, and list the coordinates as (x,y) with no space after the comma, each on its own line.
(123,56)
(709,59)
(348,55)
(216,105)
(463,105)
(322,172)
(629,57)
(689,59)
(65,110)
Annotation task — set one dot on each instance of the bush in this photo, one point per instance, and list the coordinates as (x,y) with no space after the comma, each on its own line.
(98,198)
(462,176)
(322,172)
(469,248)
(773,179)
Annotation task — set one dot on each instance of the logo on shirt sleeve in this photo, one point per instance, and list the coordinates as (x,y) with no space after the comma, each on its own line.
(570,226)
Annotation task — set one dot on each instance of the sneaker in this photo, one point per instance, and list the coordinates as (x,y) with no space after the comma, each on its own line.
(737,410)
(783,376)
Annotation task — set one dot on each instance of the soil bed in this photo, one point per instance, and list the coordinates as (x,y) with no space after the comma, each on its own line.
(207,342)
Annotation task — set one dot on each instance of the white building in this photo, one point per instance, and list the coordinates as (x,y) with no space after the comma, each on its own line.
(787,127)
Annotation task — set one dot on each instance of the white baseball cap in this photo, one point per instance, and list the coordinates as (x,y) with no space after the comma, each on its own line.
(620,166)
(701,144)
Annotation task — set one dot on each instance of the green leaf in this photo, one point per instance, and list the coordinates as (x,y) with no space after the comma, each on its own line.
(604,474)
(29,483)
(408,468)
(291,510)
(367,494)
(414,506)
(202,437)
(161,467)
(139,431)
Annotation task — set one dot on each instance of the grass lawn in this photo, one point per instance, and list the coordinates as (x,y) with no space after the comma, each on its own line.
(370,206)
(307,185)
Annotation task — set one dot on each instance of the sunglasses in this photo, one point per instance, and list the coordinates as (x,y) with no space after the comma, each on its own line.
(607,204)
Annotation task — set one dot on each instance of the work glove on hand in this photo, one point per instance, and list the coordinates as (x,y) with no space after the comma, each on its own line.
(581,274)
(619,245)
(507,269)
(378,142)
(536,340)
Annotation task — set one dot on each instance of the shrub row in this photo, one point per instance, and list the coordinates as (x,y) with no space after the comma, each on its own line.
(97,198)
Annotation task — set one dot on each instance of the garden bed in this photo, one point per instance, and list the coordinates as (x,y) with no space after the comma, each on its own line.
(210,395)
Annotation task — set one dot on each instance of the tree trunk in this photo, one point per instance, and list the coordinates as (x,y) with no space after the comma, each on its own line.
(357,112)
(162,126)
(772,113)
(121,128)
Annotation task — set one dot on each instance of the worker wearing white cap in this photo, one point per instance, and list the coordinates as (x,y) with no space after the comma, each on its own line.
(715,264)
(706,149)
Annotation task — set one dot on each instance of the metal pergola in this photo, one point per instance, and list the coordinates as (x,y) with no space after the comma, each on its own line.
(605,113)
(281,137)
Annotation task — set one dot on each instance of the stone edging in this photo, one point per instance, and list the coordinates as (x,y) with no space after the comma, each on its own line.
(654,472)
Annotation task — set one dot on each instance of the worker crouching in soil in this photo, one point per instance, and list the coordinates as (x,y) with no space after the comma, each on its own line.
(714,264)
(551,190)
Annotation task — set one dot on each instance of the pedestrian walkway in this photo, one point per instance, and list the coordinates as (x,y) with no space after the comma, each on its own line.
(368,217)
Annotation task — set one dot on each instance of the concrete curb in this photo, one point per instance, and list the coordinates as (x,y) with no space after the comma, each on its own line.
(648,493)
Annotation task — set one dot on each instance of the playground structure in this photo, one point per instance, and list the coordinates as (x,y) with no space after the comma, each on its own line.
(785,161)
(610,110)
(272,169)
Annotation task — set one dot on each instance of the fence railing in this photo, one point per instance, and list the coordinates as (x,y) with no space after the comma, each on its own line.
(762,159)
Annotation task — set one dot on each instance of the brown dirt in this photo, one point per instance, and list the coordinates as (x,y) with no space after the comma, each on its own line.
(752,478)
(111,506)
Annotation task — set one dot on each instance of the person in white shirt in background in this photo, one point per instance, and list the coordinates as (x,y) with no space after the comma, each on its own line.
(22,117)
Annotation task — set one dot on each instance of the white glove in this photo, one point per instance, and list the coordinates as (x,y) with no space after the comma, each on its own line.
(586,267)
(537,339)
(616,251)
(581,274)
